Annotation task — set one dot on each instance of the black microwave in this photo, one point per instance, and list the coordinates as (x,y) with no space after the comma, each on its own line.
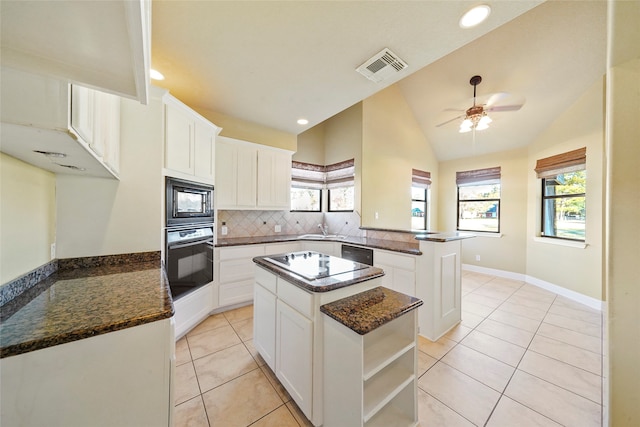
(188,202)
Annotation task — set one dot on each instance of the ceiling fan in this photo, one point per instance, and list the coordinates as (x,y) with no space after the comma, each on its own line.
(476,117)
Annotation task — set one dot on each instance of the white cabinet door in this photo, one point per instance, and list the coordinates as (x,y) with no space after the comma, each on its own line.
(178,140)
(247,176)
(264,324)
(404,281)
(204,139)
(106,135)
(387,279)
(274,179)
(226,175)
(82,114)
(327,248)
(294,361)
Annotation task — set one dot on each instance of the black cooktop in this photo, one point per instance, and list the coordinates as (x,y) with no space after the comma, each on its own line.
(314,265)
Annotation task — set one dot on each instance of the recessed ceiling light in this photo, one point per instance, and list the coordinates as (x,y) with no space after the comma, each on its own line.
(475,16)
(303,121)
(155,74)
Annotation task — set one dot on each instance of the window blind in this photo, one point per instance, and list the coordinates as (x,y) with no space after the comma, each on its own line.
(340,174)
(420,178)
(571,161)
(478,176)
(307,175)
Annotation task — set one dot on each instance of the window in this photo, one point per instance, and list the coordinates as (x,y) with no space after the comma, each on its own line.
(340,185)
(479,200)
(563,195)
(420,182)
(307,181)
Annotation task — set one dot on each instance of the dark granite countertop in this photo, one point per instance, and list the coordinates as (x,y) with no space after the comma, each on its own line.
(390,245)
(325,284)
(78,303)
(445,237)
(368,310)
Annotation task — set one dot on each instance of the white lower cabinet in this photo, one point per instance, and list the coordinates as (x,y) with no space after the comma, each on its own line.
(294,359)
(235,273)
(399,270)
(121,378)
(297,342)
(370,379)
(328,248)
(264,317)
(193,308)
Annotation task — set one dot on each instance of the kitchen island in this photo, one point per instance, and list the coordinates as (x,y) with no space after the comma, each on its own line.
(91,344)
(288,328)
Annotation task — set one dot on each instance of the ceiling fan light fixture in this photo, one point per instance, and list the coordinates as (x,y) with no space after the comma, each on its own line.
(475,16)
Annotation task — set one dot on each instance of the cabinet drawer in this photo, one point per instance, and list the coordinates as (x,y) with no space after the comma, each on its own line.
(248,251)
(236,269)
(235,293)
(405,262)
(265,279)
(281,248)
(296,297)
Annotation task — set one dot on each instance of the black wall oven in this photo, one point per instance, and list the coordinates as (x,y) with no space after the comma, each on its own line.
(188,202)
(189,235)
(189,259)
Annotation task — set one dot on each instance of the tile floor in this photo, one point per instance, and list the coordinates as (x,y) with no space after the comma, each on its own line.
(522,356)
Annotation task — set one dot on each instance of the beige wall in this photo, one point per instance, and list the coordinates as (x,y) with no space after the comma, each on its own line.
(507,252)
(248,131)
(101,216)
(623,206)
(27,217)
(311,146)
(582,125)
(392,145)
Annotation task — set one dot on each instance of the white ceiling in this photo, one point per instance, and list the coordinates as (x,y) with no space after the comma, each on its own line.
(272,62)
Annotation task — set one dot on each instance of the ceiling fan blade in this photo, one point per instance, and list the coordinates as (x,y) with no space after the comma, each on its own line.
(499,108)
(451,120)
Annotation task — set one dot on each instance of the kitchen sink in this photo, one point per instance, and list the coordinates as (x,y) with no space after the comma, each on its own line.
(321,236)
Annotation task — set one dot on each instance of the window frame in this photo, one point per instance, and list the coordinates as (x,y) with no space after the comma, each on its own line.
(329,199)
(319,202)
(543,205)
(426,205)
(478,200)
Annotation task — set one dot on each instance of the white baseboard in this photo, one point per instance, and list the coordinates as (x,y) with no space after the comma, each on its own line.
(594,303)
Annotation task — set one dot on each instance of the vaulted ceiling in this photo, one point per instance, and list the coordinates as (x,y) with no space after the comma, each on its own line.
(272,62)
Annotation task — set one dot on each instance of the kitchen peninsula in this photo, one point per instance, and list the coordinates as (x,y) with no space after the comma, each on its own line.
(288,328)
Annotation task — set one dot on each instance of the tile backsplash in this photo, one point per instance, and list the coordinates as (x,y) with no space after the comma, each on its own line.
(263,223)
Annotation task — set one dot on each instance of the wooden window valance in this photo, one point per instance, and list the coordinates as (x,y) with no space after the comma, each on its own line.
(562,163)
(420,178)
(478,176)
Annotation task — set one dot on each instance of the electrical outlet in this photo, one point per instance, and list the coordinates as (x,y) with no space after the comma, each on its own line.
(278,228)
(477,257)
(377,216)
(224,230)
(53,251)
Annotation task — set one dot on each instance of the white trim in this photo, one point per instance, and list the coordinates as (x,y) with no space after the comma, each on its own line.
(594,303)
(561,242)
(494,272)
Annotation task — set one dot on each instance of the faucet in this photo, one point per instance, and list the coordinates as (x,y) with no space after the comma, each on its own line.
(324,229)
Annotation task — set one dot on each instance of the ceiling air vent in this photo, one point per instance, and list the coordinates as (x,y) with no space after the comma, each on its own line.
(382,66)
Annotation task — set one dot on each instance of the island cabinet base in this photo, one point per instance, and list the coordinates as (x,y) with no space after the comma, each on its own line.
(120,378)
(370,380)
(288,334)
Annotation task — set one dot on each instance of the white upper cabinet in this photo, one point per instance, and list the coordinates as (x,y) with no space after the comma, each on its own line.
(59,127)
(101,44)
(252,176)
(189,143)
